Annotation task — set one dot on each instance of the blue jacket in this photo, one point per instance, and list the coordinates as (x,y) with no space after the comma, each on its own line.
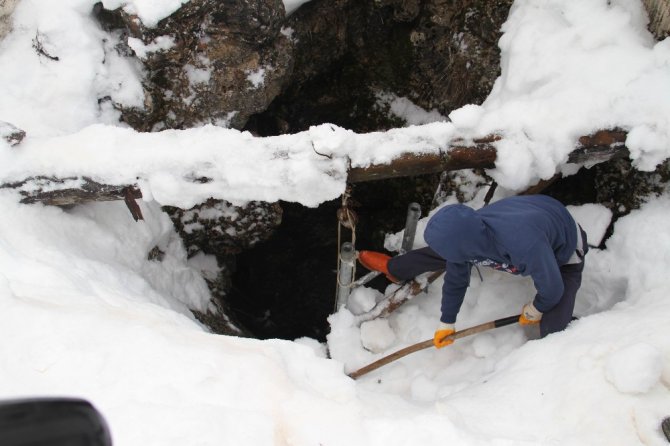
(529,235)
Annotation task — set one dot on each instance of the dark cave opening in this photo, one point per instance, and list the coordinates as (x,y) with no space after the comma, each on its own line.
(285,287)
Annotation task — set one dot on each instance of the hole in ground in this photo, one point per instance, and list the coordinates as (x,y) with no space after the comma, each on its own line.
(285,287)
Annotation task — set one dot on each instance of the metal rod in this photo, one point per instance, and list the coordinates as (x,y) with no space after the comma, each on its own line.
(413,215)
(346,274)
(365,279)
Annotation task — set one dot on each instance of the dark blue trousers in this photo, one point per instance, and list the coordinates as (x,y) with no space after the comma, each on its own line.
(418,261)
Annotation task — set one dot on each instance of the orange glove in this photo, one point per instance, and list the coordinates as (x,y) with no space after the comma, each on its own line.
(442,331)
(530,315)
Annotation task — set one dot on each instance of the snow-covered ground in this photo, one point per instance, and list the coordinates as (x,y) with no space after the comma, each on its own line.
(83,312)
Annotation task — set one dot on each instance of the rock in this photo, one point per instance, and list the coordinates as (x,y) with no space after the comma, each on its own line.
(219,228)
(659,17)
(243,64)
(6,10)
(440,54)
(210,62)
(10,133)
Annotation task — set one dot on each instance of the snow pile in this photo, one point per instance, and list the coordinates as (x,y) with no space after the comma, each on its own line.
(605,380)
(308,167)
(47,97)
(563,76)
(635,369)
(85,311)
(569,68)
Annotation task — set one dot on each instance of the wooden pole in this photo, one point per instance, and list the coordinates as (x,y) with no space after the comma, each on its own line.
(481,153)
(429,343)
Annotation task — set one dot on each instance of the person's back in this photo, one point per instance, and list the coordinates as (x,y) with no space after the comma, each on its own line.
(530,235)
(519,222)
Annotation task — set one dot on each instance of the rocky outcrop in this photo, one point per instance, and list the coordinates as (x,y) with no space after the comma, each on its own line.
(211,61)
(220,228)
(659,17)
(223,230)
(6,10)
(224,62)
(440,54)
(10,133)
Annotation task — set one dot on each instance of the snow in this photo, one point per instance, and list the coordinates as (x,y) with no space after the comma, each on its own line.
(150,12)
(256,78)
(85,312)
(160,43)
(377,335)
(363,299)
(594,219)
(291,5)
(635,368)
(407,110)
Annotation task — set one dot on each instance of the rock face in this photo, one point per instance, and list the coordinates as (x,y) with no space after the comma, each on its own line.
(439,54)
(659,17)
(10,133)
(212,61)
(224,62)
(220,229)
(243,64)
(6,10)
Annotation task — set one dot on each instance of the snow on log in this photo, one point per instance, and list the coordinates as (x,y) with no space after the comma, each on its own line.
(457,154)
(481,153)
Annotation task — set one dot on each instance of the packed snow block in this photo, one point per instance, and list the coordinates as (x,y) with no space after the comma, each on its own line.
(377,335)
(594,220)
(363,299)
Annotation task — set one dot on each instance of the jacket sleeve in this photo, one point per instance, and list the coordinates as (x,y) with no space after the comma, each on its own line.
(456,282)
(542,266)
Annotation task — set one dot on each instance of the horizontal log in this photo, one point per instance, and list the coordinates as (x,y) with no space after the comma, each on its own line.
(481,153)
(70,191)
(599,147)
(602,146)
(409,165)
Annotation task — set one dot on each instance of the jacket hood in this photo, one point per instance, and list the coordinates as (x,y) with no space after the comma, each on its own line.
(458,234)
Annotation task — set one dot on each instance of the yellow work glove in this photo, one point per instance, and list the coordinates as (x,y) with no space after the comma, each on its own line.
(442,331)
(530,315)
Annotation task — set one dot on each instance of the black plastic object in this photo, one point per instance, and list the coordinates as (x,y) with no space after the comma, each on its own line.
(52,422)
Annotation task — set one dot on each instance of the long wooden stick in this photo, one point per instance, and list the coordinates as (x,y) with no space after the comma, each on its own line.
(429,343)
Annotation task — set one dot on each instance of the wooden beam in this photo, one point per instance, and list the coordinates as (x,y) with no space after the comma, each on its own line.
(481,153)
(70,191)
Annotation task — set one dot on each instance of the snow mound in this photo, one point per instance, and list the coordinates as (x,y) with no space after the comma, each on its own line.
(634,369)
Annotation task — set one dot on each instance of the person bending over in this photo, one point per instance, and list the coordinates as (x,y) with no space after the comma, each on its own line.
(532,235)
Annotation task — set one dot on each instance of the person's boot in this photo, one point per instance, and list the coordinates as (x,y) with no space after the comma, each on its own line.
(376,261)
(665,426)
